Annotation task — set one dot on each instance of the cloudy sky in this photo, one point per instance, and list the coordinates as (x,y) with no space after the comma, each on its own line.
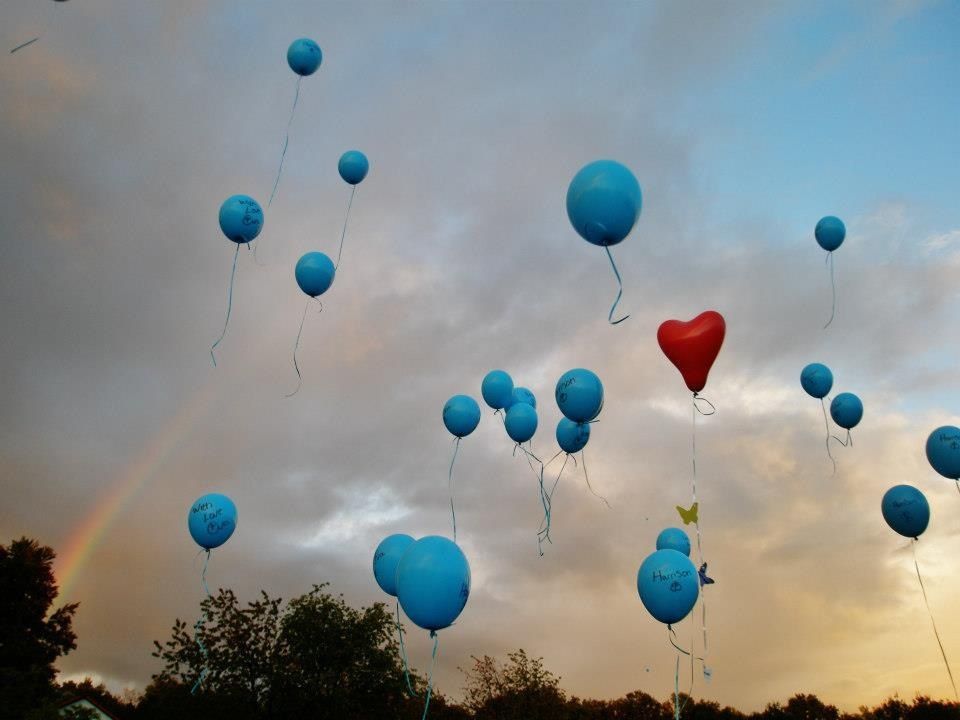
(128,123)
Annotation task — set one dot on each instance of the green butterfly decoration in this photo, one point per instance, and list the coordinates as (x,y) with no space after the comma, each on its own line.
(689,516)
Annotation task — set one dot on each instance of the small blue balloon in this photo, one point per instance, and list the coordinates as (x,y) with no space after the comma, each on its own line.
(304,56)
(943,451)
(603,202)
(521,422)
(906,510)
(830,232)
(816,379)
(668,584)
(461,415)
(522,395)
(572,437)
(497,389)
(353,167)
(674,539)
(579,395)
(212,520)
(385,561)
(433,582)
(846,410)
(314,273)
(241,218)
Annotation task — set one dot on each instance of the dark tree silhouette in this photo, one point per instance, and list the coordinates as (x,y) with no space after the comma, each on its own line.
(31,638)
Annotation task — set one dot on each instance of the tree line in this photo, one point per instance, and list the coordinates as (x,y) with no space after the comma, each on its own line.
(316,656)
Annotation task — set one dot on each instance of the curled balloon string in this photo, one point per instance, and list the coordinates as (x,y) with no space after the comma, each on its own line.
(846,443)
(345,221)
(403,654)
(296,345)
(913,545)
(43,32)
(697,399)
(586,476)
(233,274)
(433,660)
(23,45)
(693,484)
(544,532)
(286,142)
(826,424)
(672,637)
(198,626)
(453,513)
(833,287)
(252,246)
(619,292)
(555,482)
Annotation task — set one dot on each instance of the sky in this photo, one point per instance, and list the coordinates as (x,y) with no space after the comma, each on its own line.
(124,128)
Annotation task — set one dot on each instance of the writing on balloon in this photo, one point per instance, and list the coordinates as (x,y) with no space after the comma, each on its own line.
(561,394)
(659,576)
(952,438)
(217,526)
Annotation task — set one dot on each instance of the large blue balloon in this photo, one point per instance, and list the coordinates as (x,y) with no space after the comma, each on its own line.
(603,202)
(906,510)
(304,56)
(521,422)
(846,410)
(212,520)
(385,561)
(522,395)
(572,437)
(943,451)
(830,232)
(241,218)
(497,389)
(314,273)
(353,167)
(674,539)
(579,395)
(461,415)
(816,379)
(668,585)
(433,582)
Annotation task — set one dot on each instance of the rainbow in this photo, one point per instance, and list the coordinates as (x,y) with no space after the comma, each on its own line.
(91,531)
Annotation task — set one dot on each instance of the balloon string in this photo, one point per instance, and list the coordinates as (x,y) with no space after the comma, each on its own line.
(671,636)
(826,424)
(548,463)
(958,485)
(46,29)
(619,292)
(846,443)
(433,660)
(197,628)
(932,621)
(586,476)
(833,287)
(553,489)
(693,443)
(252,246)
(544,532)
(233,274)
(345,221)
(296,345)
(453,513)
(403,654)
(286,142)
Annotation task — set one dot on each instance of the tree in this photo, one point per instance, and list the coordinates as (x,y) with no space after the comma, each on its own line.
(520,689)
(31,639)
(315,656)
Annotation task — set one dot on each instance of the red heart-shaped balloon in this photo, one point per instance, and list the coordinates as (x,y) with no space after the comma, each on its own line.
(693,346)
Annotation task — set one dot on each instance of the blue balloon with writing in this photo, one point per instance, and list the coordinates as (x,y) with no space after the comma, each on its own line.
(212,520)
(669,585)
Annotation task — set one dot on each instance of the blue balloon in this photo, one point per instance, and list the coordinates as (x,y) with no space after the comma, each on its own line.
(461,415)
(846,410)
(385,561)
(668,584)
(522,395)
(674,539)
(353,167)
(314,273)
(603,202)
(830,232)
(572,437)
(521,422)
(212,520)
(943,451)
(497,389)
(433,582)
(816,379)
(304,56)
(579,395)
(906,510)
(241,218)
